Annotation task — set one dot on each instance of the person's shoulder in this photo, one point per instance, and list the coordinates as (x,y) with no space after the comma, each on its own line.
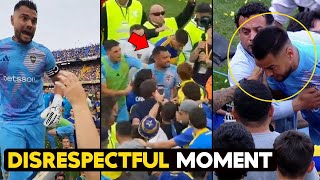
(240,56)
(173,67)
(164,41)
(150,66)
(41,47)
(5,41)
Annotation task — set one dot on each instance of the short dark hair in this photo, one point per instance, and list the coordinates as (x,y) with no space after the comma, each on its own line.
(107,102)
(244,104)
(306,18)
(232,136)
(136,27)
(182,36)
(198,118)
(192,91)
(157,50)
(135,132)
(204,8)
(148,87)
(58,175)
(253,8)
(294,152)
(28,3)
(109,44)
(269,40)
(66,137)
(141,76)
(168,111)
(185,71)
(124,128)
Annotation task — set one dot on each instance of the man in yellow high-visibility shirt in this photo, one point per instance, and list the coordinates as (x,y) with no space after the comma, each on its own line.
(117,16)
(157,19)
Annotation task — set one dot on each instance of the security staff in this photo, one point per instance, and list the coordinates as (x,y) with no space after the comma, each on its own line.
(117,16)
(157,20)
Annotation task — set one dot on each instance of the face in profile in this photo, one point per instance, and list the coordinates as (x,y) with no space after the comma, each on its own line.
(249,30)
(177,45)
(278,67)
(24,22)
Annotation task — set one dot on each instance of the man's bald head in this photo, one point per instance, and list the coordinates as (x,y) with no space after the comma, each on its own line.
(156,14)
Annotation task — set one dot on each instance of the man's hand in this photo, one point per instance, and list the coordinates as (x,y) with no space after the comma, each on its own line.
(128,90)
(256,74)
(162,28)
(159,97)
(201,45)
(309,98)
(72,88)
(202,57)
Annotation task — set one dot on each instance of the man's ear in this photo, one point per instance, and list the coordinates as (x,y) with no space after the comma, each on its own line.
(12,20)
(235,114)
(311,166)
(271,111)
(290,53)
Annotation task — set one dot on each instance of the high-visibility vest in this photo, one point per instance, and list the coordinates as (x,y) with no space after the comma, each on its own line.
(117,79)
(120,19)
(170,23)
(195,32)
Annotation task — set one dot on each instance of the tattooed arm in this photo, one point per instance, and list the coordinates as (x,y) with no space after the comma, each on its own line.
(222,97)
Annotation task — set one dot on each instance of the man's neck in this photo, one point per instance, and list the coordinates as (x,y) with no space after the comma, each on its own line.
(123,3)
(156,24)
(124,139)
(259,128)
(281,177)
(158,67)
(195,130)
(112,61)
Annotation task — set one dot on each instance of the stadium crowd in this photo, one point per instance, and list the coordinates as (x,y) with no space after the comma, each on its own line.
(77,53)
(162,97)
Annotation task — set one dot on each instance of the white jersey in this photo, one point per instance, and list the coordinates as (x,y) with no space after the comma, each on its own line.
(288,7)
(143,54)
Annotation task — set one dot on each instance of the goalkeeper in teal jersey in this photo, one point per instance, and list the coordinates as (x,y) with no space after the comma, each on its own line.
(23,63)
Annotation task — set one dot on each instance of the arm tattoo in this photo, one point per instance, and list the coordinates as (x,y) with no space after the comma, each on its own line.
(222,97)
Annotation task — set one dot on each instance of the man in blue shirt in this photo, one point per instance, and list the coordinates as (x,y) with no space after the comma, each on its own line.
(288,66)
(23,63)
(67,108)
(48,97)
(164,73)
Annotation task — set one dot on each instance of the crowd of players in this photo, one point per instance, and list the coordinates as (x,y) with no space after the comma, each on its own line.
(156,97)
(165,102)
(273,61)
